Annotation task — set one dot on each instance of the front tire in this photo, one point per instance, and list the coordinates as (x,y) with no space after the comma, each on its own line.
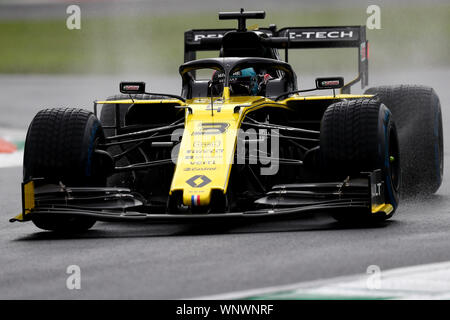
(357,136)
(60,147)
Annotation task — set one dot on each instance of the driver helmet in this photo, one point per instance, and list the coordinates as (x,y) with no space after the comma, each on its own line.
(242,82)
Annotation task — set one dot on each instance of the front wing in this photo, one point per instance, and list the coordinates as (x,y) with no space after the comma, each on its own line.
(364,193)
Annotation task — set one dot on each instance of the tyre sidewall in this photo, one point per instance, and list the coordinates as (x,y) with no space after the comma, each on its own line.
(93,134)
(437,144)
(386,128)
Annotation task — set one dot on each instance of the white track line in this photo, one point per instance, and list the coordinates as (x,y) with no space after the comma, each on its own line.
(14,159)
(8,160)
(429,281)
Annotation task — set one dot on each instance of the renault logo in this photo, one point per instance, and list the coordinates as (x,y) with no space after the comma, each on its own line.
(198,181)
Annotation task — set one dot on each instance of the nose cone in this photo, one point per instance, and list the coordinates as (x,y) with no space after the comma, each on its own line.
(206,153)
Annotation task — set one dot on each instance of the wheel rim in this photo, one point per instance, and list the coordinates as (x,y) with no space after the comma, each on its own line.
(440,146)
(394,160)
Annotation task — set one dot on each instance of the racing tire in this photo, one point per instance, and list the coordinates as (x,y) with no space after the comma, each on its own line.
(361,136)
(417,111)
(59,147)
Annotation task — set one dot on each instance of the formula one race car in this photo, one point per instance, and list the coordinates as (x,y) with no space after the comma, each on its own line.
(240,142)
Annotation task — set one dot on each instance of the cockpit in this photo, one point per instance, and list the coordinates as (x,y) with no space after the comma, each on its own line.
(243,77)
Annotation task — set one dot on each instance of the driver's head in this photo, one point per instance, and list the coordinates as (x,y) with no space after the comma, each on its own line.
(243,82)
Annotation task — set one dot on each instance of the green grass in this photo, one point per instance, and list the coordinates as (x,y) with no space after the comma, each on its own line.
(416,36)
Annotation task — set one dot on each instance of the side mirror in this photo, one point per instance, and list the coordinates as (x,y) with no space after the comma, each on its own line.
(132,87)
(330,83)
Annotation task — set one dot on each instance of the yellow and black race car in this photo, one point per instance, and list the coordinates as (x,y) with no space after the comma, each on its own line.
(240,142)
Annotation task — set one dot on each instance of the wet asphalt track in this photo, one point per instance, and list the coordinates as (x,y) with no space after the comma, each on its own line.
(181,261)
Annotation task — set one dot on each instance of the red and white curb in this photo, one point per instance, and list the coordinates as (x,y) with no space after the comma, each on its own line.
(422,282)
(11,147)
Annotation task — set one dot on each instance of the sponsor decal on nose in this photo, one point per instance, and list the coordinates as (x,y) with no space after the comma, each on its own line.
(198,181)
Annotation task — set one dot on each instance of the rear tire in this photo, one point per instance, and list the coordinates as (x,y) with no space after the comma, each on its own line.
(60,147)
(357,136)
(417,111)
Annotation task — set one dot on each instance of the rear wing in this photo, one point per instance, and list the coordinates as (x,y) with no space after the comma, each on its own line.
(208,40)
(291,38)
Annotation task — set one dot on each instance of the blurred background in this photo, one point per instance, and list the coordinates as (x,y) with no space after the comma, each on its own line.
(142,37)
(44,64)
